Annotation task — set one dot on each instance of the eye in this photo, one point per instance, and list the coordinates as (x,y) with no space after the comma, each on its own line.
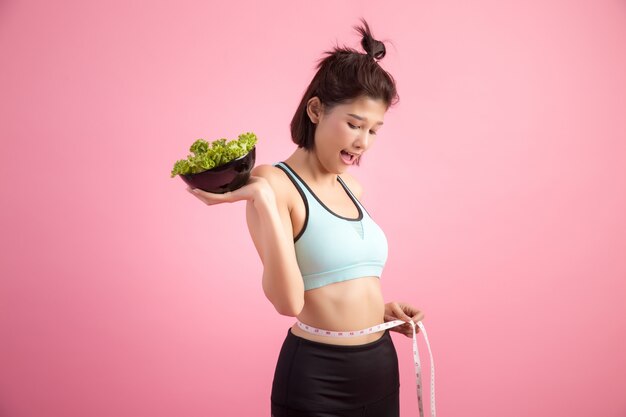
(358,127)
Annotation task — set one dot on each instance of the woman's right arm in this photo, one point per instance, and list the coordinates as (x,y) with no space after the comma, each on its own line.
(269,224)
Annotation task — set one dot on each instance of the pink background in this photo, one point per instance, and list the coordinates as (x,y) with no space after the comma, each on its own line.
(499,179)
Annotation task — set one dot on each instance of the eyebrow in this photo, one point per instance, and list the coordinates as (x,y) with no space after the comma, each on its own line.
(362,118)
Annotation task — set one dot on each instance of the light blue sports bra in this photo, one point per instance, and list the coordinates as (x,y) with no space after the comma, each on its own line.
(331,248)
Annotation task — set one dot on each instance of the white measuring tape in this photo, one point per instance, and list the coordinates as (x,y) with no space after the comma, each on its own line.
(416,356)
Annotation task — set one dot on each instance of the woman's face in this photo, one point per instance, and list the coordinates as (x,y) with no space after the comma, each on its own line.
(350,127)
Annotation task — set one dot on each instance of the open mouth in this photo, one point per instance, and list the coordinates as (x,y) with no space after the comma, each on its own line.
(347,157)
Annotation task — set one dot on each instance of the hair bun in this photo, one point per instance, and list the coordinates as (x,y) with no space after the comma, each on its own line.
(374,48)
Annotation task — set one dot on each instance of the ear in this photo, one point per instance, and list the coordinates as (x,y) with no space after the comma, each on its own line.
(314,108)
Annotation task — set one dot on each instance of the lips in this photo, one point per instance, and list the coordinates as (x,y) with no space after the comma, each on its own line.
(347,157)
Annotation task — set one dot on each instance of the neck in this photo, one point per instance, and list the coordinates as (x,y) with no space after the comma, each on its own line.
(308,165)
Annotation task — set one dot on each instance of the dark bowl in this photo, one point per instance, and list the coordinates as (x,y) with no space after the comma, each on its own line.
(224,178)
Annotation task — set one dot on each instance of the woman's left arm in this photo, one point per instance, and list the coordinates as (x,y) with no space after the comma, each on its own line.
(395,310)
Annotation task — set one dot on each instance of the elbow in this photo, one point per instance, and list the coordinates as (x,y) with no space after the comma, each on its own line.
(286,305)
(291,309)
(287,301)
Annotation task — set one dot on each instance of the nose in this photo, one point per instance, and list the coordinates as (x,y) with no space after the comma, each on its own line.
(363,140)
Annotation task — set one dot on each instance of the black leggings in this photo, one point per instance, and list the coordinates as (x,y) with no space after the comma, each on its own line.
(314,379)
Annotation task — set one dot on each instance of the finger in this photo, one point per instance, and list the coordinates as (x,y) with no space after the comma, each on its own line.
(418,317)
(409,309)
(406,328)
(214,198)
(399,329)
(405,332)
(211,198)
(399,312)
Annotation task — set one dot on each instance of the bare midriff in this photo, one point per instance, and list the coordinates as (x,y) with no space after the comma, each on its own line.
(354,304)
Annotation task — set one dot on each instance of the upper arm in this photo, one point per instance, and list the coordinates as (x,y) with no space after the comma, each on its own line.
(271,174)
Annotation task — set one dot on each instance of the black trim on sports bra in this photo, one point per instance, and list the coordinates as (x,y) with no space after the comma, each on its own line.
(353,199)
(348,188)
(306,203)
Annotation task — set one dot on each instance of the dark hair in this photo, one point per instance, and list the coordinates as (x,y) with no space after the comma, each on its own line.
(345,75)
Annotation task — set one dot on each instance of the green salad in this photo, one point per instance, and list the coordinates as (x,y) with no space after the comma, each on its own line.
(210,155)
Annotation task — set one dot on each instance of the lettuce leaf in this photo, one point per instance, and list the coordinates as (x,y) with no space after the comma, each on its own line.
(207,155)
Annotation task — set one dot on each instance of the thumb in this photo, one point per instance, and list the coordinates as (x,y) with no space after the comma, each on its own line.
(401,314)
(404,317)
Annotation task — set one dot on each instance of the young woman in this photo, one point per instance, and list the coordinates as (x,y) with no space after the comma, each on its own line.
(322,252)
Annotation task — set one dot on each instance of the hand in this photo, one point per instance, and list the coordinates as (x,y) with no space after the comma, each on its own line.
(403,311)
(254,188)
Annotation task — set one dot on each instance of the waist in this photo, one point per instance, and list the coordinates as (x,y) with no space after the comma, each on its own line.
(328,345)
(351,304)
(318,338)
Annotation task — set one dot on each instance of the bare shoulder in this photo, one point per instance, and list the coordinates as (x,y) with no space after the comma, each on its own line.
(353,184)
(275,177)
(267,171)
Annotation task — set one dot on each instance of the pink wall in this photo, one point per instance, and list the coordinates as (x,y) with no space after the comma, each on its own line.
(504,210)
